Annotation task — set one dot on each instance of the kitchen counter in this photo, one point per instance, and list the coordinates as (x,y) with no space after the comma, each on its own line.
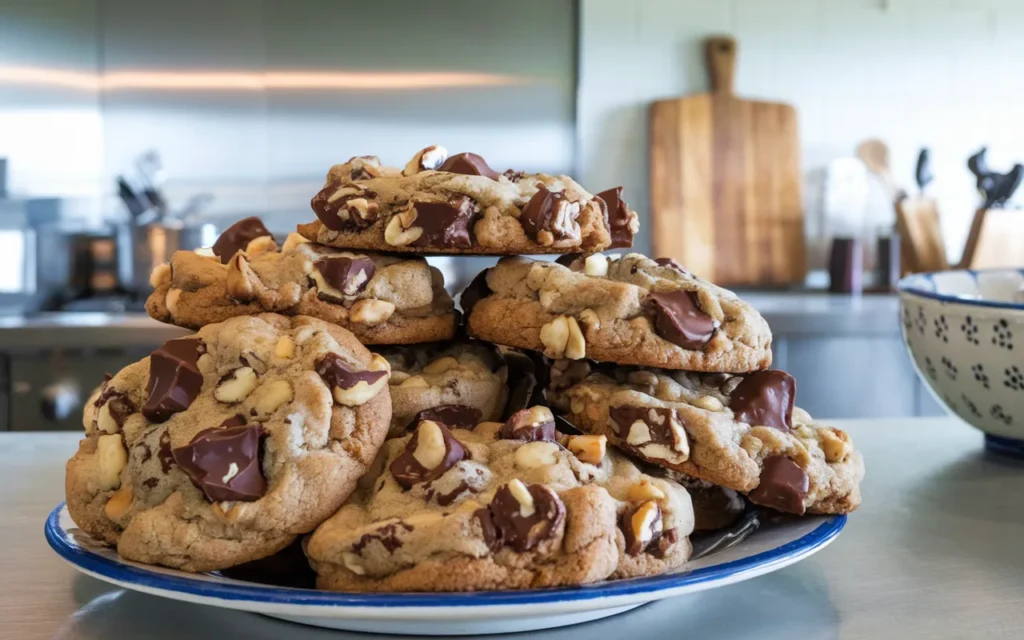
(935,552)
(787,313)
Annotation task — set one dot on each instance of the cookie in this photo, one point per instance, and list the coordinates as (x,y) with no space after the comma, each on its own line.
(222,447)
(739,432)
(458,204)
(511,505)
(459,383)
(628,310)
(381,299)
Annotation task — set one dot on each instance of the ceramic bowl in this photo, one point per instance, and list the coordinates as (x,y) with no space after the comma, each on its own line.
(965,333)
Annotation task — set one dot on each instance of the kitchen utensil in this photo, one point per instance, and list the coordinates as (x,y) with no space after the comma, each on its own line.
(923,174)
(726,181)
(996,240)
(965,331)
(995,188)
(921,245)
(875,155)
(887,266)
(773,546)
(846,266)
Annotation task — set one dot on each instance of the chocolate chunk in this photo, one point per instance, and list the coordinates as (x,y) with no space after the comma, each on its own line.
(164,453)
(453,416)
(669,262)
(524,388)
(446,224)
(146,454)
(491,535)
(347,275)
(338,373)
(547,211)
(678,318)
(386,535)
(783,486)
(236,420)
(475,292)
(567,259)
(765,398)
(408,471)
(662,423)
(237,237)
(513,175)
(345,207)
(468,164)
(638,541)
(616,212)
(174,378)
(119,404)
(520,532)
(530,425)
(659,549)
(150,483)
(447,499)
(224,463)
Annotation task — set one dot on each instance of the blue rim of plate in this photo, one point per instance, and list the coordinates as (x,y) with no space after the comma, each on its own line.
(907,285)
(70,551)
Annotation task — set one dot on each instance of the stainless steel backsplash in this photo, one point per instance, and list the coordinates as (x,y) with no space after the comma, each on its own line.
(254,100)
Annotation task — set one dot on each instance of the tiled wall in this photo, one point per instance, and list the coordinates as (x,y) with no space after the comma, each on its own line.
(936,73)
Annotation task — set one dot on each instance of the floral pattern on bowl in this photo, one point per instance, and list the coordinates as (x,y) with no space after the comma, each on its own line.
(964,331)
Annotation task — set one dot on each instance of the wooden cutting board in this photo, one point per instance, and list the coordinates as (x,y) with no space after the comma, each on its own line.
(725,182)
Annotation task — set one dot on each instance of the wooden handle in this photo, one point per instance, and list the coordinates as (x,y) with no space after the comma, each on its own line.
(720,57)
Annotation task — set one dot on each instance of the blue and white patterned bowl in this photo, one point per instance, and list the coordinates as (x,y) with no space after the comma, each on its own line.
(965,333)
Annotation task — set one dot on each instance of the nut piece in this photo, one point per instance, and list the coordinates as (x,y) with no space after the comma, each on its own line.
(414,382)
(104,421)
(236,386)
(399,233)
(643,523)
(428,159)
(119,503)
(709,403)
(835,444)
(111,458)
(596,265)
(161,275)
(576,346)
(239,279)
(206,252)
(173,295)
(589,449)
(260,245)
(536,454)
(639,433)
(441,365)
(430,447)
(285,348)
(555,336)
(272,395)
(292,241)
(589,319)
(371,311)
(362,391)
(547,297)
(645,490)
(351,561)
(398,377)
(522,496)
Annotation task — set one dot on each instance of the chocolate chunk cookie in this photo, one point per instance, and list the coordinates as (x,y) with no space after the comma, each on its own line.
(741,432)
(222,447)
(511,505)
(381,299)
(458,383)
(459,204)
(628,310)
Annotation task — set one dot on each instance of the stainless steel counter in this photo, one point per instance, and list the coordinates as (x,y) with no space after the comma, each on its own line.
(83,331)
(935,552)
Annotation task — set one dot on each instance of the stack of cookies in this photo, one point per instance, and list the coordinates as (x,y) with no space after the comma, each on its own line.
(274,440)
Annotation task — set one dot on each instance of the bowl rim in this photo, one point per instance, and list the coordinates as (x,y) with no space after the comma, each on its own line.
(904,286)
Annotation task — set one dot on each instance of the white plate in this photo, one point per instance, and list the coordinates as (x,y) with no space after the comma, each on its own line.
(770,548)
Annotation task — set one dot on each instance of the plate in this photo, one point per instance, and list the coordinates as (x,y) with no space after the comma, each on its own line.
(770,548)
